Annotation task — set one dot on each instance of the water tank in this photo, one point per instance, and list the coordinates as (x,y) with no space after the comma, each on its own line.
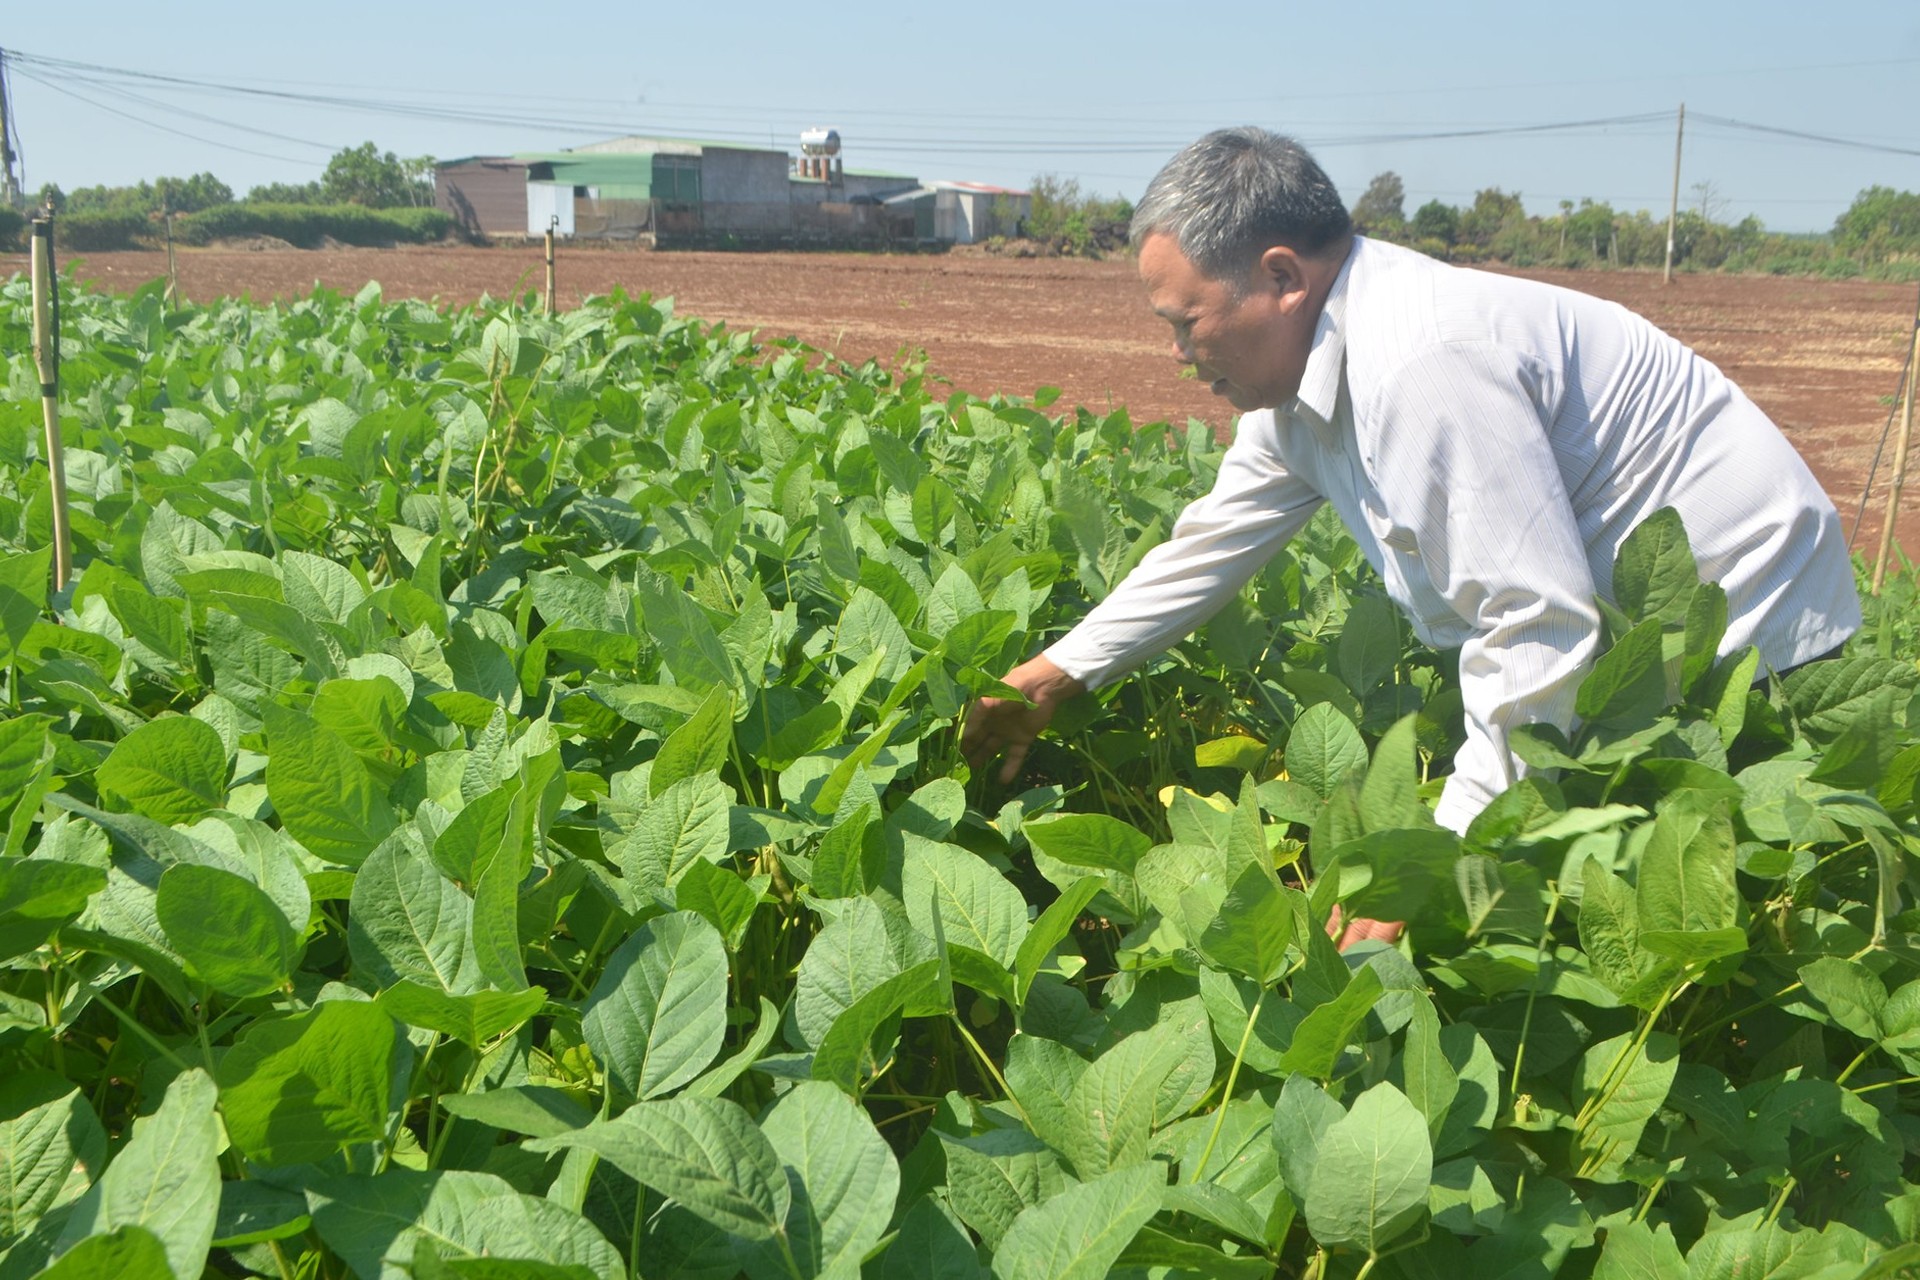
(820,142)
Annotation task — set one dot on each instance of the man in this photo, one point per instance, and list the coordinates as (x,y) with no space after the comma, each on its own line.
(1489,442)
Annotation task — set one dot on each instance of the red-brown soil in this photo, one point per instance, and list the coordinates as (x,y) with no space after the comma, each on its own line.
(1822,357)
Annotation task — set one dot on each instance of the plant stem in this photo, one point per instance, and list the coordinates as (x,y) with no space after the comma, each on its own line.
(1533,988)
(1616,1075)
(1233,1074)
(981,1054)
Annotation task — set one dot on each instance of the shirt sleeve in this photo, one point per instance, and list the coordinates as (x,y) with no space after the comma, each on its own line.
(1220,541)
(1465,457)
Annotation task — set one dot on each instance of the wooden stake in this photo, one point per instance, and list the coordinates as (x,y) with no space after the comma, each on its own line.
(1899,468)
(46,355)
(550,299)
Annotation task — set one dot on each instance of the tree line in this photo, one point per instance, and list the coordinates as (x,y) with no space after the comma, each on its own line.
(1878,236)
(362,175)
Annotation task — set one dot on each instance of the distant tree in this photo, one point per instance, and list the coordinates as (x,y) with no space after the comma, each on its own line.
(1436,220)
(1491,211)
(1381,209)
(1067,220)
(286,193)
(1880,221)
(147,199)
(190,195)
(364,175)
(1592,227)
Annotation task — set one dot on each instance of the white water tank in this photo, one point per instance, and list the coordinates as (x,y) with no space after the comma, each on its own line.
(820,142)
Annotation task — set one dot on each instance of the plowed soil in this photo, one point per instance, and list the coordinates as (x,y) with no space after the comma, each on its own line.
(1823,358)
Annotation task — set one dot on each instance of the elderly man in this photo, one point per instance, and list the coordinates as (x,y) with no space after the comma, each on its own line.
(1488,441)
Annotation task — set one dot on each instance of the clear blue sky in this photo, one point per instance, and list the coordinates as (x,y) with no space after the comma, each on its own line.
(1102,93)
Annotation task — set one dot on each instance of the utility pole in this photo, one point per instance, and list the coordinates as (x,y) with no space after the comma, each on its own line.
(11,196)
(1673,209)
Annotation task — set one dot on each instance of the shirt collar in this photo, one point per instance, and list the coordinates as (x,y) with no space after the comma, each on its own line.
(1327,360)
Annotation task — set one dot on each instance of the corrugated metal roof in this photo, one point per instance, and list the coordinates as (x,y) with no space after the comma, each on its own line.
(979,188)
(638,140)
(618,176)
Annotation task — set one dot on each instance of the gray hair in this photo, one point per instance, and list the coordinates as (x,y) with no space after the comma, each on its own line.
(1233,193)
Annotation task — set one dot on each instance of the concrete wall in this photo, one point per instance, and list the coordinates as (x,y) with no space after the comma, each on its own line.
(743,177)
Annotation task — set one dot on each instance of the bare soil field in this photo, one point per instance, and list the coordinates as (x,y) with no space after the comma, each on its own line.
(1821,357)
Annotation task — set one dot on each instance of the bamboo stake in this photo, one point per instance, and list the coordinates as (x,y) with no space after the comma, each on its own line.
(173,275)
(46,355)
(1899,468)
(551,224)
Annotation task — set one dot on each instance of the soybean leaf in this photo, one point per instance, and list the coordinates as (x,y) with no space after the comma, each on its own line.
(851,1049)
(1323,748)
(977,907)
(658,1014)
(1049,930)
(165,1180)
(698,746)
(52,1148)
(538,1111)
(928,1245)
(1636,1251)
(37,896)
(843,1177)
(1301,1119)
(171,770)
(1080,1233)
(129,1252)
(1371,1173)
(231,934)
(253,1212)
(686,821)
(377,1225)
(1325,1032)
(408,923)
(473,1018)
(1687,880)
(1088,840)
(704,1152)
(295,1090)
(24,582)
(1654,574)
(1627,687)
(1116,1102)
(994,1176)
(324,795)
(721,897)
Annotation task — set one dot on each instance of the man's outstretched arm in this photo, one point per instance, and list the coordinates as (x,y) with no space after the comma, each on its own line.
(1001,726)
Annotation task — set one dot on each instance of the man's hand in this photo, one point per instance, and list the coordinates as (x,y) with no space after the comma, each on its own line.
(1001,725)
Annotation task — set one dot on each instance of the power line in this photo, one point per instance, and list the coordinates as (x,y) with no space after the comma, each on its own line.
(154,124)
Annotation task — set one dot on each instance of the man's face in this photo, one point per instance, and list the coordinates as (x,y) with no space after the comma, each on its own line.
(1247,344)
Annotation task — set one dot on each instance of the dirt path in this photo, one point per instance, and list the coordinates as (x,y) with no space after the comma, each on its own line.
(1821,357)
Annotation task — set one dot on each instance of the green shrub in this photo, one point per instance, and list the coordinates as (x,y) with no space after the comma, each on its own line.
(307,224)
(12,223)
(99,232)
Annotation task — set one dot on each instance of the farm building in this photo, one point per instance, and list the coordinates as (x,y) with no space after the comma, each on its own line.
(963,212)
(681,191)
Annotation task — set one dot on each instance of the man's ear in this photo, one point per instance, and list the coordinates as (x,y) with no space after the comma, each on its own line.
(1283,271)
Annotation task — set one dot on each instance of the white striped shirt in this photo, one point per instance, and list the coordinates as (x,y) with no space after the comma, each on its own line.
(1490,441)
